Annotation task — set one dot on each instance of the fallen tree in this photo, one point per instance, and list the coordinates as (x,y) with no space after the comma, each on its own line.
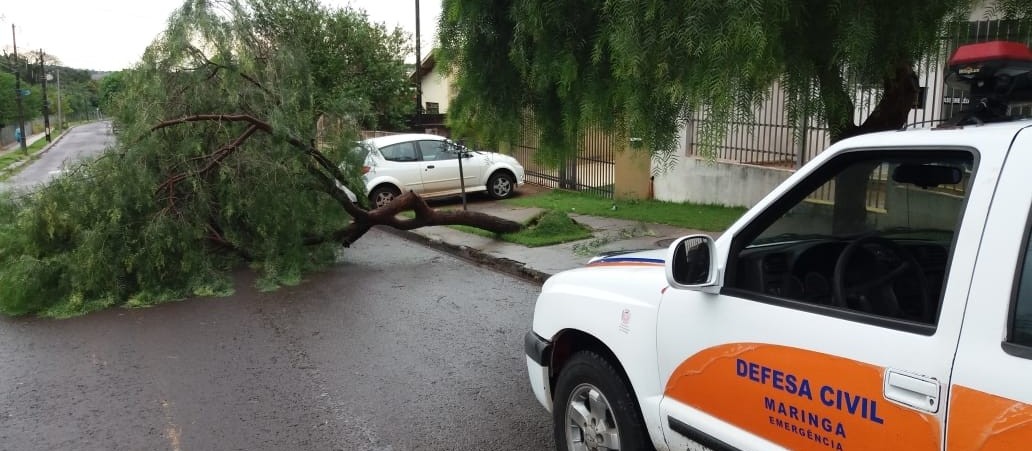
(329,175)
(221,162)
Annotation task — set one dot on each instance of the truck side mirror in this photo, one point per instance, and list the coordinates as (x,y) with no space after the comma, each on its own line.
(691,264)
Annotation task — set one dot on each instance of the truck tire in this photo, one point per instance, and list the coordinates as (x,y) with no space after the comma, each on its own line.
(594,408)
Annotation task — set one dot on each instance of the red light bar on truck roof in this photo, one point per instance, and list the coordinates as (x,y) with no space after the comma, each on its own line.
(989,51)
(996,75)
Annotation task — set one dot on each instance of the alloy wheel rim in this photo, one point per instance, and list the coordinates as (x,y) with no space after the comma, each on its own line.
(590,425)
(383,199)
(502,186)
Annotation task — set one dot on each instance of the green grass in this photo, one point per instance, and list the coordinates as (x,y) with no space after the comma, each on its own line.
(692,216)
(9,158)
(552,227)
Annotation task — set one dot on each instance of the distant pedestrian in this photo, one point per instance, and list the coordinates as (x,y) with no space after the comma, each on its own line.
(18,135)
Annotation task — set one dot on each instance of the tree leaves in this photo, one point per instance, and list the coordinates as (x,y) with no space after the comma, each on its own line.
(637,68)
(170,211)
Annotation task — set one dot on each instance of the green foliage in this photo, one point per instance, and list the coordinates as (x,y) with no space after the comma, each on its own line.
(111,86)
(79,94)
(8,105)
(553,227)
(639,68)
(692,216)
(169,213)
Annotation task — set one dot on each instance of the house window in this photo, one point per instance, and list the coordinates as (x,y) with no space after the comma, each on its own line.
(433,108)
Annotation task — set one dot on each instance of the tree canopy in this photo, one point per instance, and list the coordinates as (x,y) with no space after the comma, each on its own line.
(641,67)
(232,130)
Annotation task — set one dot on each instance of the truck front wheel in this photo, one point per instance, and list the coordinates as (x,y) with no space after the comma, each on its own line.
(594,408)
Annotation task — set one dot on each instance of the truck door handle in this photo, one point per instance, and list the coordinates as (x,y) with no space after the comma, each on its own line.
(430,166)
(919,392)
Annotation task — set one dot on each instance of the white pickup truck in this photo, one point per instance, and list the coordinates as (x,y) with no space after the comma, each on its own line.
(879,299)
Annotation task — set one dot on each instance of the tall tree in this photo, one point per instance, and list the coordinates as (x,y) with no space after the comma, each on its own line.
(232,129)
(110,87)
(8,102)
(642,66)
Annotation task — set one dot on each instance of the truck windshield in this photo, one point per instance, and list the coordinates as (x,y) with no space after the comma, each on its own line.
(908,198)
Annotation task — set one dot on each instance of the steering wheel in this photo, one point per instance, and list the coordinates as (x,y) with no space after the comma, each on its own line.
(879,290)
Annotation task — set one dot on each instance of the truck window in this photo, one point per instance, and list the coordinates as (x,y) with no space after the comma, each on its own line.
(1021,319)
(870,233)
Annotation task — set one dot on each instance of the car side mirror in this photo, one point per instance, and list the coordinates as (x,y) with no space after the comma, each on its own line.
(691,264)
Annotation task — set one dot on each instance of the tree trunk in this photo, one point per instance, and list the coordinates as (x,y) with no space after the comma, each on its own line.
(899,94)
(328,175)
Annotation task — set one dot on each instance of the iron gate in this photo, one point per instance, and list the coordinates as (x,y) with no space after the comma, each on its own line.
(593,170)
(769,138)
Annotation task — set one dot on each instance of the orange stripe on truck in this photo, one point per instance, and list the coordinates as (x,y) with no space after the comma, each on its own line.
(800,399)
(982,421)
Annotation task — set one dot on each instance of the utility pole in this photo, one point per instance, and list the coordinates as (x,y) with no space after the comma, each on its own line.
(18,93)
(60,117)
(46,106)
(419,64)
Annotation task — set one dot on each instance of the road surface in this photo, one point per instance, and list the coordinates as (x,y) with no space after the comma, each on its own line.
(80,142)
(397,348)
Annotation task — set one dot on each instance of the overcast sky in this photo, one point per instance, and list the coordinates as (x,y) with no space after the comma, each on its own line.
(112,34)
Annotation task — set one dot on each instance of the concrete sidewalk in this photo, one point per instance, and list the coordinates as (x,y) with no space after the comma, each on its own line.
(538,263)
(29,140)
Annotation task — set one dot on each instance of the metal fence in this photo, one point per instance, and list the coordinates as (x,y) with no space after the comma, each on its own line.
(770,139)
(593,170)
(32,127)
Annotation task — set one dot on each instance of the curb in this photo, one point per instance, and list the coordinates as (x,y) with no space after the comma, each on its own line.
(500,264)
(12,167)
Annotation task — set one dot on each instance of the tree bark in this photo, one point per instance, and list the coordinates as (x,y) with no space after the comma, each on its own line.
(329,175)
(900,91)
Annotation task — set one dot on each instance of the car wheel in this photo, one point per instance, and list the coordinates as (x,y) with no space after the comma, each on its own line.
(383,195)
(501,185)
(594,409)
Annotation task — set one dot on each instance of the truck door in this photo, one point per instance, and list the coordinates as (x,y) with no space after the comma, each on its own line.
(990,395)
(839,311)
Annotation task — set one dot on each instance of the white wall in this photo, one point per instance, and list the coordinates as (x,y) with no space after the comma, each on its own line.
(436,88)
(709,182)
(704,181)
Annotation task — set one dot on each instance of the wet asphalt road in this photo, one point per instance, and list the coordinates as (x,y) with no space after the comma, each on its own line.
(80,142)
(397,348)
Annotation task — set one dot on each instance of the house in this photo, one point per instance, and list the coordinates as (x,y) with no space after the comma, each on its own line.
(437,90)
(755,157)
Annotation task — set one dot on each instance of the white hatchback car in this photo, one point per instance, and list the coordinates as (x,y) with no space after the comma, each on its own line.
(429,165)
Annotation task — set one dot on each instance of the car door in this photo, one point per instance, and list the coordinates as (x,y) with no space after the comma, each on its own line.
(440,171)
(402,164)
(777,357)
(990,395)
